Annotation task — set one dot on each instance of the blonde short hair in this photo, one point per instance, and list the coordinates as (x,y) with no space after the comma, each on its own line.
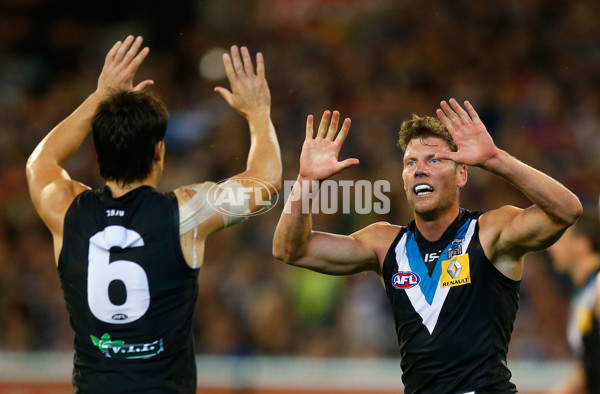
(422,127)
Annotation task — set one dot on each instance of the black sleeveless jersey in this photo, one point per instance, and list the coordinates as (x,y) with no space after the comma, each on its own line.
(583,332)
(453,311)
(129,293)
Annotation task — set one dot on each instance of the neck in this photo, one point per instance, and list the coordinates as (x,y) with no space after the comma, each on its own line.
(585,267)
(432,228)
(119,189)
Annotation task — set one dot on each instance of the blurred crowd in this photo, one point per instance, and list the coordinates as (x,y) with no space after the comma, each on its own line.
(531,68)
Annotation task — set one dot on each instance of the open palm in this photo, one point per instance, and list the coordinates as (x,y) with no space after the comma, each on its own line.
(121,64)
(319,157)
(474,143)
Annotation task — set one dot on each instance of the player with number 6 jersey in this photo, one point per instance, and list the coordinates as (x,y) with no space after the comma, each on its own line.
(128,256)
(129,291)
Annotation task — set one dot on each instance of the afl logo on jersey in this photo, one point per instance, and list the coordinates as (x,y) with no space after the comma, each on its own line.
(119,316)
(405,280)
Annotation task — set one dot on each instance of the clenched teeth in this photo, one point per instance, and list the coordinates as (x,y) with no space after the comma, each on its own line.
(423,189)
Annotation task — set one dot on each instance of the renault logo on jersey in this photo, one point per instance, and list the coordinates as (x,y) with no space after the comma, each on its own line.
(456,271)
(405,280)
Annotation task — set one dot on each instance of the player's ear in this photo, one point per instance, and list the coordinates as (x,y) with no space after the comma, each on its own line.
(462,175)
(159,150)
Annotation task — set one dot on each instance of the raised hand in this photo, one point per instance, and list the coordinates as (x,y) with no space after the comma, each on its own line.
(319,157)
(475,145)
(120,66)
(249,90)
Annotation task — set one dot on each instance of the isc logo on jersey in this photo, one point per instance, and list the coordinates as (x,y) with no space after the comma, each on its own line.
(405,280)
(456,271)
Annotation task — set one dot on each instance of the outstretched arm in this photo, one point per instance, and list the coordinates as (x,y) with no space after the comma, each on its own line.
(511,231)
(50,187)
(250,96)
(295,242)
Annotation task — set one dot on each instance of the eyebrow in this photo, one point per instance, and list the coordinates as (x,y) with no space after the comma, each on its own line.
(413,157)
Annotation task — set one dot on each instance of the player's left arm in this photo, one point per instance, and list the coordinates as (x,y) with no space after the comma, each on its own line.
(201,209)
(251,97)
(509,232)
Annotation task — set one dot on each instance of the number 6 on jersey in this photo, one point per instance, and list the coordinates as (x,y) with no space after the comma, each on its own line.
(101,272)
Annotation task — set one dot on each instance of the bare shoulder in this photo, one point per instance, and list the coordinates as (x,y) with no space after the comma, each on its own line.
(378,236)
(492,222)
(186,192)
(497,247)
(56,198)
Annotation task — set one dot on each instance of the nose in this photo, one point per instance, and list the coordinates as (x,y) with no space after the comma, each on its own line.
(421,169)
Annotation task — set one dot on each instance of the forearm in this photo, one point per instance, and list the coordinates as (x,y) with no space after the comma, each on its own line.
(264,157)
(294,228)
(555,200)
(64,139)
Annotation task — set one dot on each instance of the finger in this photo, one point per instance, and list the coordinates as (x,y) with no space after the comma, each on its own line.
(237,61)
(110,56)
(450,114)
(335,120)
(341,137)
(349,162)
(133,50)
(226,94)
(472,112)
(143,85)
(445,120)
(137,61)
(123,49)
(323,125)
(464,116)
(248,67)
(260,65)
(309,127)
(228,68)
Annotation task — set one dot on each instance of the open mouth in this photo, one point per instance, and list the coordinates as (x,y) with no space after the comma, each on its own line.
(421,190)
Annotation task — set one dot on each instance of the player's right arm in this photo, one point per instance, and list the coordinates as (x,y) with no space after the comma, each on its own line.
(50,187)
(295,242)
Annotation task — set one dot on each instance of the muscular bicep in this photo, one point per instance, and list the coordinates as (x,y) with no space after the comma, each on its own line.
(509,232)
(41,174)
(52,205)
(336,254)
(528,230)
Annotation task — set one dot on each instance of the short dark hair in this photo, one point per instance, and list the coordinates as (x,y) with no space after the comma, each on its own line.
(126,128)
(422,127)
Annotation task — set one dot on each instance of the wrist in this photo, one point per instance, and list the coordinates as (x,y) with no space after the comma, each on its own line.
(260,114)
(494,162)
(308,182)
(99,95)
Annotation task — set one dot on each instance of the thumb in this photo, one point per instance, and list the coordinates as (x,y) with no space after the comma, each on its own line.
(445,155)
(226,94)
(348,163)
(142,85)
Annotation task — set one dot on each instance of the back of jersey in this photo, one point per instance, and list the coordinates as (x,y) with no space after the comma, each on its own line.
(129,293)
